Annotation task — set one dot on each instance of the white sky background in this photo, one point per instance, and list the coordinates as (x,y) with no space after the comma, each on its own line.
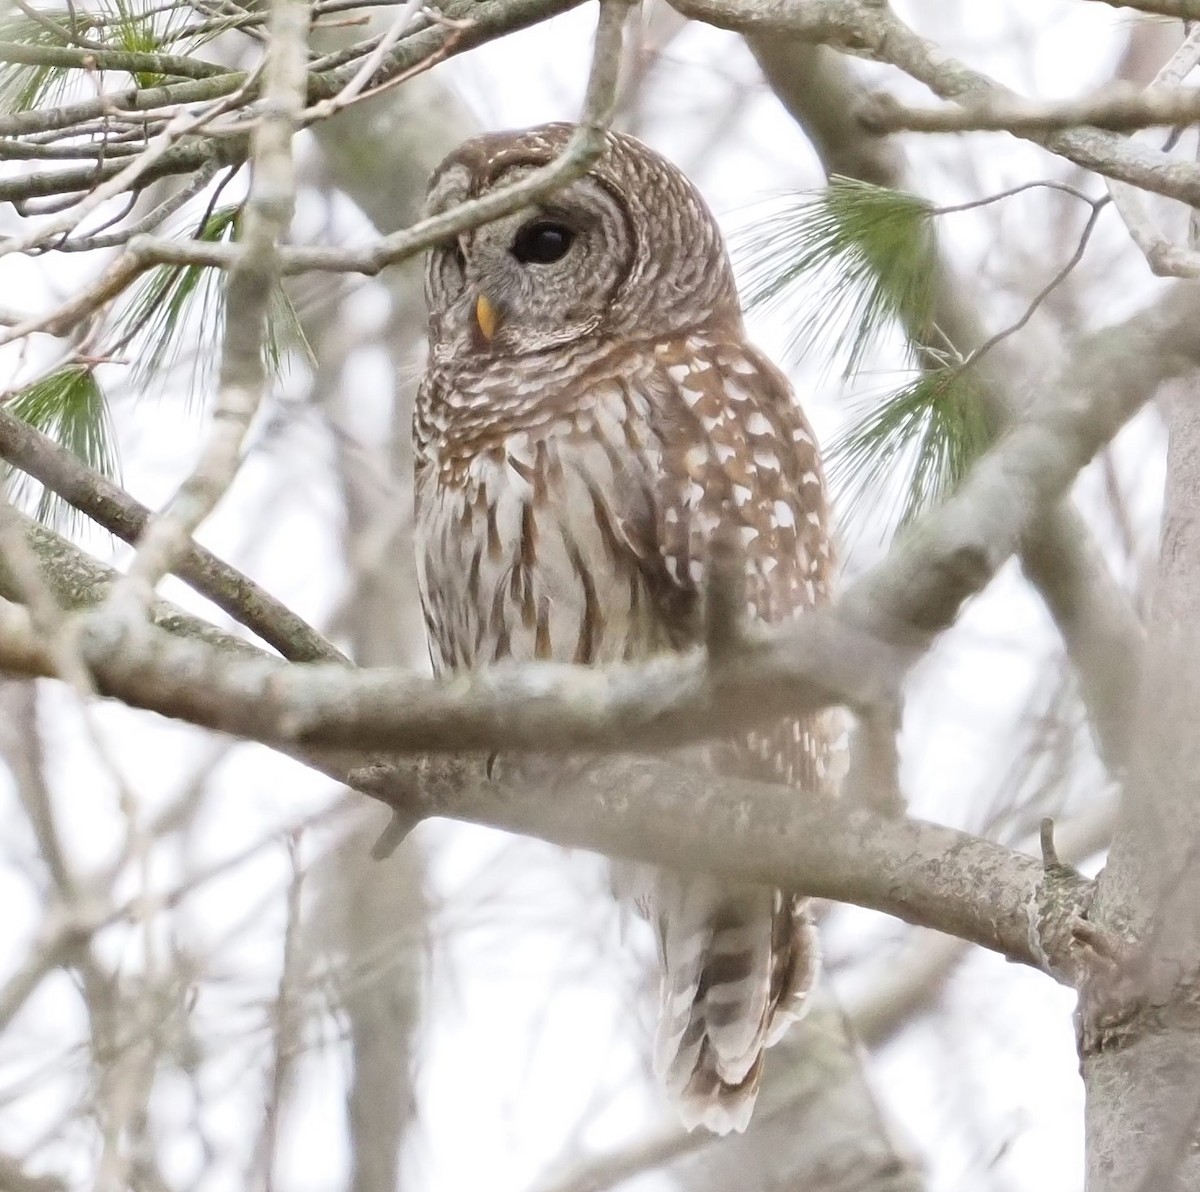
(534,1026)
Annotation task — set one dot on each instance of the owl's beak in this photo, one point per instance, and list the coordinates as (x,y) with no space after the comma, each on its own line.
(487,317)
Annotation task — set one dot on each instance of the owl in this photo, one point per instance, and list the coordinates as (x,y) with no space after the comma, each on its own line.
(590,418)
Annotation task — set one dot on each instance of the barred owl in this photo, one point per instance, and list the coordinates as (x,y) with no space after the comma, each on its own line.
(591,414)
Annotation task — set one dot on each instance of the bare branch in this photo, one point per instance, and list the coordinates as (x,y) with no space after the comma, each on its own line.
(639,808)
(111,507)
(874,31)
(1119,108)
(133,62)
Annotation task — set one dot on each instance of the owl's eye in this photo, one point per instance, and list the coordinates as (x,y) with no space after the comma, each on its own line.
(542,243)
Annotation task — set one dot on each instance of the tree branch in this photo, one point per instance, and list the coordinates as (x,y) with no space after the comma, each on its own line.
(133,62)
(625,806)
(874,31)
(1118,108)
(854,653)
(113,508)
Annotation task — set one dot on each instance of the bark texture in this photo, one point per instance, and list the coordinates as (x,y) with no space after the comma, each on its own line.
(1140,1025)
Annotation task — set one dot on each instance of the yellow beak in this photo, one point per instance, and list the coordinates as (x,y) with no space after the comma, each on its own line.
(487,316)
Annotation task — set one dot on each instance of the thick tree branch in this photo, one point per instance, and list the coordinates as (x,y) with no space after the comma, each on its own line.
(636,807)
(1140,1029)
(77,581)
(854,653)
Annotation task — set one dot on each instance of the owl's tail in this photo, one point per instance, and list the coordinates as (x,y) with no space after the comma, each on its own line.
(737,968)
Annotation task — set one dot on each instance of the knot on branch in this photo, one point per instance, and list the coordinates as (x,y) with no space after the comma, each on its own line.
(961,572)
(1058,914)
(1066,943)
(876,113)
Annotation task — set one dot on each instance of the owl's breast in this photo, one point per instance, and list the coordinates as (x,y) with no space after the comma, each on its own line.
(526,539)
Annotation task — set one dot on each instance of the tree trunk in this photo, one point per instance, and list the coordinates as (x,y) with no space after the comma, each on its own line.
(1140,1029)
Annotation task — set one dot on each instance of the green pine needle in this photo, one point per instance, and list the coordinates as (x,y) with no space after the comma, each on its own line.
(868,254)
(26,87)
(910,449)
(153,319)
(173,298)
(135,26)
(69,406)
(135,32)
(860,262)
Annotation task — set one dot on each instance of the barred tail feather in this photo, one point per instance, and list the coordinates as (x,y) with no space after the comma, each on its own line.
(737,966)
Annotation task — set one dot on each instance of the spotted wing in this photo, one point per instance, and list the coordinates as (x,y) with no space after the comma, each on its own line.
(737,453)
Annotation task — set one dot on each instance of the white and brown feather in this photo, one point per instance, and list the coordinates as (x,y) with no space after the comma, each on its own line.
(566,502)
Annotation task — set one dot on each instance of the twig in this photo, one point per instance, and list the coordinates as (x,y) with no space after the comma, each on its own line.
(1164,258)
(106,58)
(457,30)
(1085,236)
(285,1029)
(89,241)
(370,64)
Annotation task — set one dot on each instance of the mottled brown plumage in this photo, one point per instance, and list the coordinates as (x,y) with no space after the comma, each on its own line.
(590,416)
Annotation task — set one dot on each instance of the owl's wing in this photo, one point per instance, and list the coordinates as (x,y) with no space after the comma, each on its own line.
(736,452)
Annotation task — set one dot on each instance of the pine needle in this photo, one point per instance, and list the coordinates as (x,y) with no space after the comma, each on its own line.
(69,406)
(24,87)
(865,256)
(909,450)
(134,32)
(172,300)
(852,264)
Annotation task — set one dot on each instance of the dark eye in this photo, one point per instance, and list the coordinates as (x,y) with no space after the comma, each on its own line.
(542,243)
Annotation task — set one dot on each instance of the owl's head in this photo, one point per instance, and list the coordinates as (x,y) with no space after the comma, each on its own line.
(630,250)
